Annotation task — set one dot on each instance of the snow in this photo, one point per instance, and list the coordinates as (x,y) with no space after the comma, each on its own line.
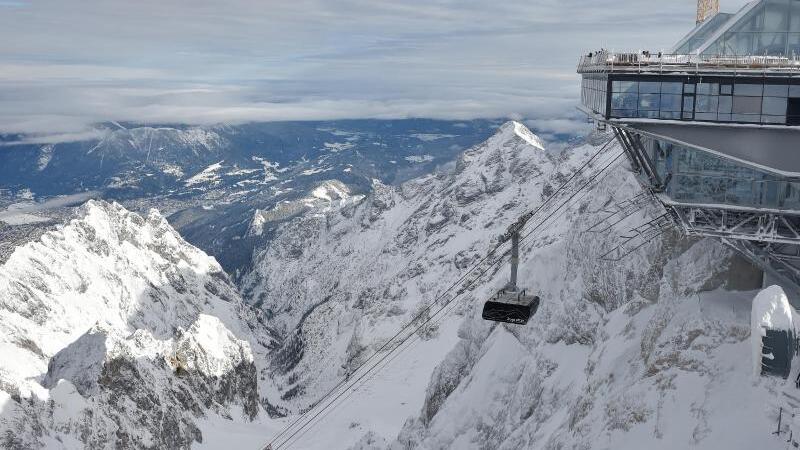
(45,156)
(336,147)
(209,175)
(430,137)
(172,169)
(419,159)
(650,352)
(111,307)
(331,190)
(315,171)
(770,311)
(208,346)
(32,212)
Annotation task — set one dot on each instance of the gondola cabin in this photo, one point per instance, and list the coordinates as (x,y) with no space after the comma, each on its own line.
(514,307)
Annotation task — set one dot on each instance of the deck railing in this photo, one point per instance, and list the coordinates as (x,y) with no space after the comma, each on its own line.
(605,61)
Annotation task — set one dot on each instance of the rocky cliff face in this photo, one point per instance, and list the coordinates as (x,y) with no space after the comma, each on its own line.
(115,333)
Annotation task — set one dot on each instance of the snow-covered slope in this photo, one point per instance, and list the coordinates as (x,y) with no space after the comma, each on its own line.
(649,351)
(116,333)
(337,285)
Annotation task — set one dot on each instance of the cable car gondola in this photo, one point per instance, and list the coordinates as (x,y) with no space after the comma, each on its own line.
(511,307)
(512,304)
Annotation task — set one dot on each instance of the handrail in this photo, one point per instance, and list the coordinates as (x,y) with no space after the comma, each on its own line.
(603,60)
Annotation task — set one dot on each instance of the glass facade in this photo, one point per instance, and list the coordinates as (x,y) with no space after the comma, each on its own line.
(702,33)
(694,176)
(594,93)
(731,100)
(771,28)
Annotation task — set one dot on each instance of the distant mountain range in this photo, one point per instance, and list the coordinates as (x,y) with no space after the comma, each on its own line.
(213,182)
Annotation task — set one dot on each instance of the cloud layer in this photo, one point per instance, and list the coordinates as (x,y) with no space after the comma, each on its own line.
(65,65)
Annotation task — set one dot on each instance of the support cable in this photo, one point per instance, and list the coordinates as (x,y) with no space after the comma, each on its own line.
(426,310)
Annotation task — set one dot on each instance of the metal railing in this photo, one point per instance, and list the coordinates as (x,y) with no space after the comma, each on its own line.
(605,61)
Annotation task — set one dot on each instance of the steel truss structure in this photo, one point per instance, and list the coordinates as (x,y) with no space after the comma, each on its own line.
(770,239)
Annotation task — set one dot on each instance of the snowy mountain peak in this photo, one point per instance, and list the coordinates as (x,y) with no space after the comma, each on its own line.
(114,309)
(513,130)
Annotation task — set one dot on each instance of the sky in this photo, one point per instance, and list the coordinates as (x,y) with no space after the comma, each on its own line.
(66,65)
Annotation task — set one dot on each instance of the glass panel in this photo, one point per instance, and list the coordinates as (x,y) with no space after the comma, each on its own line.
(623,112)
(671,103)
(649,87)
(776,15)
(688,104)
(671,88)
(726,89)
(754,21)
(776,90)
(723,117)
(705,116)
(794,91)
(688,88)
(793,48)
(648,102)
(773,119)
(624,100)
(670,114)
(775,106)
(749,89)
(770,44)
(749,118)
(708,88)
(746,105)
(706,103)
(725,104)
(648,114)
(794,18)
(624,86)
(739,43)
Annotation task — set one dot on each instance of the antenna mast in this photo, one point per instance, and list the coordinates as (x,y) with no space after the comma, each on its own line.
(706,9)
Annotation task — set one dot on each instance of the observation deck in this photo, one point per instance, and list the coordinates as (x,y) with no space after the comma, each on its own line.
(712,128)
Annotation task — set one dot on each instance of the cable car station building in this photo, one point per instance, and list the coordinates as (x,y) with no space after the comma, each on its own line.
(712,128)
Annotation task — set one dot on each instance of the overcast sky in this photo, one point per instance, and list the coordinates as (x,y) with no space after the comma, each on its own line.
(65,65)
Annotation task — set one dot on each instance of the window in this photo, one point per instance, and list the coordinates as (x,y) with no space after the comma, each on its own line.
(708,88)
(776,90)
(671,88)
(648,102)
(624,86)
(754,90)
(649,87)
(707,104)
(670,102)
(746,105)
(774,106)
(725,104)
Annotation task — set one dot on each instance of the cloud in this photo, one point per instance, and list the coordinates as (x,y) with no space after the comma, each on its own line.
(67,65)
